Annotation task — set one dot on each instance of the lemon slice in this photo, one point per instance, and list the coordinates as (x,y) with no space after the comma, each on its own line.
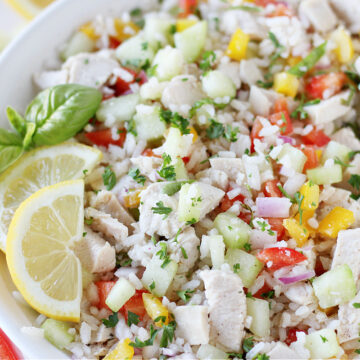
(39,252)
(29,8)
(39,168)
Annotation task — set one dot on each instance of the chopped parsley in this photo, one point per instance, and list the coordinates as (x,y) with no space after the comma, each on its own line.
(262,357)
(85,171)
(207,61)
(249,295)
(173,188)
(184,295)
(109,178)
(135,174)
(111,321)
(248,344)
(141,344)
(236,268)
(298,199)
(161,209)
(340,162)
(151,71)
(136,12)
(356,305)
(168,334)
(132,318)
(163,255)
(215,130)
(200,103)
(84,233)
(167,171)
(357,351)
(347,102)
(300,111)
(89,221)
(175,120)
(354,181)
(184,254)
(191,222)
(247,247)
(230,133)
(265,84)
(279,49)
(324,339)
(123,260)
(144,45)
(152,286)
(268,295)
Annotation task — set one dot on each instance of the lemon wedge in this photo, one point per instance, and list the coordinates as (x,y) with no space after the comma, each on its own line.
(39,252)
(28,8)
(39,168)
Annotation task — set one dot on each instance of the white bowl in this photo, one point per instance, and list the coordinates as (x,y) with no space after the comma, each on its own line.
(35,48)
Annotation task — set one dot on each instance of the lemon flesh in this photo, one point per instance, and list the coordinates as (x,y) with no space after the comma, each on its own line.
(29,8)
(39,168)
(39,249)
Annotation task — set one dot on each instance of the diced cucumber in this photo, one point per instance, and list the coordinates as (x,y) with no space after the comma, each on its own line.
(292,158)
(189,203)
(218,85)
(217,250)
(207,351)
(118,109)
(157,32)
(168,62)
(133,52)
(149,126)
(121,292)
(79,43)
(335,287)
(177,145)
(157,279)
(57,332)
(322,344)
(250,266)
(260,312)
(335,150)
(180,170)
(152,90)
(192,41)
(325,175)
(236,232)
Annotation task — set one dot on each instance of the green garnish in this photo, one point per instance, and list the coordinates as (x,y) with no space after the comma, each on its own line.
(161,209)
(109,178)
(167,171)
(111,321)
(184,295)
(132,318)
(135,174)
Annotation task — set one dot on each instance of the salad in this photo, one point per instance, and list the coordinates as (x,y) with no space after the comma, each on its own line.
(186,184)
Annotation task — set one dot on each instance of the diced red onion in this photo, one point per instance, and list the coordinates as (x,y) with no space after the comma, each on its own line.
(294,279)
(128,92)
(273,207)
(287,140)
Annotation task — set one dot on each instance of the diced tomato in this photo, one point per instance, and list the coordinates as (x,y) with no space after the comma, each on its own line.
(312,158)
(107,96)
(149,152)
(8,351)
(276,224)
(122,86)
(265,3)
(277,257)
(291,335)
(280,105)
(271,188)
(281,10)
(255,130)
(187,7)
(319,268)
(104,137)
(266,288)
(135,305)
(315,137)
(227,203)
(332,83)
(113,42)
(104,288)
(281,117)
(185,159)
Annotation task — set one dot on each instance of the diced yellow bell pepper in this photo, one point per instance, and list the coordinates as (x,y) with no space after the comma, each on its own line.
(238,45)
(122,351)
(311,193)
(183,24)
(318,153)
(337,219)
(293,60)
(132,199)
(287,84)
(194,133)
(125,30)
(89,30)
(344,49)
(155,309)
(296,231)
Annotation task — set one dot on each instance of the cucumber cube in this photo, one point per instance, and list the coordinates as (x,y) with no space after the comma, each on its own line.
(117,110)
(79,43)
(325,175)
(180,170)
(168,62)
(149,126)
(335,150)
(292,158)
(157,279)
(177,145)
(121,292)
(250,266)
(236,232)
(157,32)
(207,351)
(322,344)
(218,85)
(260,312)
(217,250)
(192,41)
(335,287)
(189,203)
(57,332)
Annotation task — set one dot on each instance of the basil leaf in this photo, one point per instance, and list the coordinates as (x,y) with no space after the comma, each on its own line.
(61,112)
(8,138)
(30,130)
(309,61)
(8,155)
(16,120)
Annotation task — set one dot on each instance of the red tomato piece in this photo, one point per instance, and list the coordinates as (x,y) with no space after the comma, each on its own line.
(227,203)
(135,305)
(316,137)
(149,152)
(332,83)
(104,137)
(255,130)
(276,224)
(104,288)
(266,288)
(312,158)
(291,335)
(185,159)
(265,3)
(122,86)
(281,10)
(271,188)
(113,42)
(280,105)
(107,96)
(187,7)
(276,258)
(8,351)
(283,121)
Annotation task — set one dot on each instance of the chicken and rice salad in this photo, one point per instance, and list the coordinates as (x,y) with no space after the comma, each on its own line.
(211,177)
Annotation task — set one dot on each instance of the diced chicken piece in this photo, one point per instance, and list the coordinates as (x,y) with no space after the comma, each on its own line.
(192,324)
(261,239)
(349,11)
(231,69)
(213,177)
(249,72)
(146,164)
(232,167)
(282,351)
(49,79)
(152,223)
(261,100)
(347,137)
(95,254)
(349,317)
(227,307)
(319,13)
(102,335)
(90,69)
(329,110)
(181,95)
(347,251)
(85,333)
(107,202)
(300,293)
(112,229)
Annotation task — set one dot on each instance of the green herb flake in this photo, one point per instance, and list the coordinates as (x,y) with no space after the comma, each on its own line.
(248,344)
(184,295)
(167,171)
(236,268)
(109,178)
(324,339)
(207,61)
(141,344)
(356,305)
(215,130)
(111,321)
(89,221)
(268,295)
(168,334)
(135,174)
(264,84)
(354,181)
(184,254)
(247,247)
(161,209)
(132,318)
(163,254)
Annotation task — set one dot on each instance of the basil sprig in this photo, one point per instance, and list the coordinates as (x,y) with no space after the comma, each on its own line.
(54,116)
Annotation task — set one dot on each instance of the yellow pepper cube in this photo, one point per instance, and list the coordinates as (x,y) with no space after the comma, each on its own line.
(296,231)
(132,199)
(155,309)
(125,30)
(337,219)
(194,133)
(344,49)
(122,351)
(89,30)
(293,60)
(311,193)
(287,84)
(183,24)
(238,45)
